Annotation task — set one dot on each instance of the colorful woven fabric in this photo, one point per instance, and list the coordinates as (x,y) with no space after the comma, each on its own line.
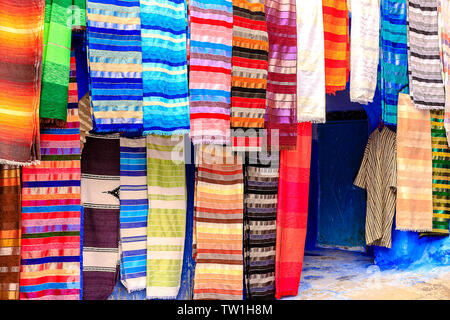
(211,39)
(100,185)
(164,57)
(364,49)
(248,74)
(444,23)
(85,114)
(79,15)
(10,207)
(166,184)
(414,206)
(426,85)
(292,213)
(281,104)
(393,73)
(115,64)
(21,36)
(337,46)
(218,225)
(260,219)
(133,213)
(310,62)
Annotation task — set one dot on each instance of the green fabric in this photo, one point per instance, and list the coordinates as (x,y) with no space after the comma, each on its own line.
(81,4)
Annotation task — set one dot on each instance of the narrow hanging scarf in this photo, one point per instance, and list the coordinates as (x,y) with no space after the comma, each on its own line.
(10,207)
(100,181)
(310,62)
(292,213)
(364,49)
(393,71)
(164,57)
(211,42)
(20,80)
(85,114)
(218,225)
(444,23)
(426,84)
(115,64)
(79,15)
(166,185)
(133,213)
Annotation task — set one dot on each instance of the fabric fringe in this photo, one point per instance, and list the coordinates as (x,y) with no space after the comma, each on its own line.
(161,298)
(16,163)
(412,230)
(52,123)
(180,132)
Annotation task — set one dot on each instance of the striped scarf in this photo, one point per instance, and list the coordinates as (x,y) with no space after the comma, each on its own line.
(248,74)
(281,108)
(426,85)
(20,80)
(364,49)
(393,73)
(166,183)
(115,64)
(218,225)
(85,114)
(310,62)
(444,22)
(51,212)
(9,232)
(133,213)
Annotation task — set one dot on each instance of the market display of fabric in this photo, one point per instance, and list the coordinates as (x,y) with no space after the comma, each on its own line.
(218,224)
(414,204)
(337,46)
(260,219)
(292,213)
(100,185)
(426,85)
(85,115)
(21,38)
(364,49)
(115,64)
(378,175)
(10,209)
(133,213)
(310,62)
(166,185)
(248,74)
(211,40)
(393,73)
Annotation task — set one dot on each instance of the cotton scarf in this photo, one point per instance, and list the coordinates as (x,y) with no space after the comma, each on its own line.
(20,80)
(115,64)
(426,85)
(166,184)
(444,22)
(310,62)
(211,39)
(292,213)
(281,108)
(79,15)
(85,114)
(9,232)
(393,73)
(100,185)
(218,225)
(133,213)
(414,207)
(364,49)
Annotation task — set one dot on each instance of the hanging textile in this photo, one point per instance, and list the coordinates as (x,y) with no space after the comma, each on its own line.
(281,103)
(310,62)
(133,213)
(426,85)
(9,232)
(249,74)
(79,15)
(260,218)
(115,64)
(51,212)
(20,80)
(100,185)
(164,57)
(166,183)
(218,225)
(364,49)
(337,46)
(85,114)
(211,42)
(292,213)
(393,73)
(444,23)
(380,184)
(414,205)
